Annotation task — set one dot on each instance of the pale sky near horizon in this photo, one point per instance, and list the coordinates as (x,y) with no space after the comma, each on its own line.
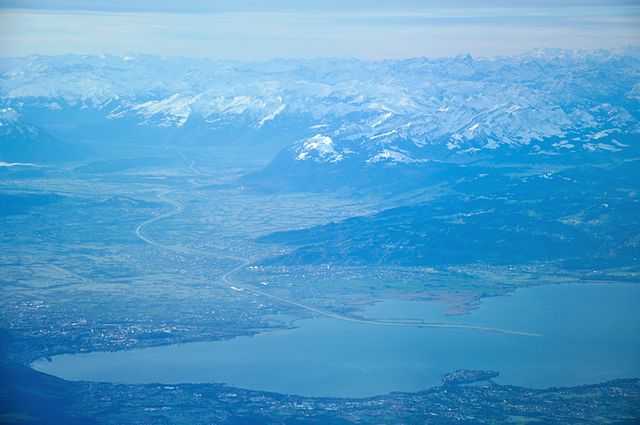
(259,30)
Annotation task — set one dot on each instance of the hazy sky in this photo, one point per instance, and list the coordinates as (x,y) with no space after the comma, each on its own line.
(264,29)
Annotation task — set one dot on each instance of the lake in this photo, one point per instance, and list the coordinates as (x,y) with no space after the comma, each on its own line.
(590,333)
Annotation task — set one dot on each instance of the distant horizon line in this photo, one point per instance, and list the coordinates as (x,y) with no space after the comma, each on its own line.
(627,50)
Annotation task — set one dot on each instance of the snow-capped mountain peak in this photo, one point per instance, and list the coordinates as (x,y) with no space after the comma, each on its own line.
(318,148)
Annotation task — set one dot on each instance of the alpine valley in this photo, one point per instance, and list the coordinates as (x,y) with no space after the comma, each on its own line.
(162,216)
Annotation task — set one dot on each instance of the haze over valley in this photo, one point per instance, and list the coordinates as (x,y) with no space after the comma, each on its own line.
(320,240)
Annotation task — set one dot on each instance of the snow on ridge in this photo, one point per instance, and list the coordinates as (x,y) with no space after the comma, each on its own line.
(382,119)
(321,147)
(238,105)
(379,136)
(376,106)
(592,147)
(16,164)
(271,116)
(393,156)
(173,110)
(471,131)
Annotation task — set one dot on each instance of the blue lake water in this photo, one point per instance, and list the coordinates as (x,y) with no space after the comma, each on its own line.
(590,333)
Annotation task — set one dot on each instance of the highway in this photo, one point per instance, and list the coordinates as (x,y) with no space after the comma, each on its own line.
(177,208)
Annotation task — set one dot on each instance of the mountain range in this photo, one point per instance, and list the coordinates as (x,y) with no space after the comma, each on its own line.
(518,159)
(342,110)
